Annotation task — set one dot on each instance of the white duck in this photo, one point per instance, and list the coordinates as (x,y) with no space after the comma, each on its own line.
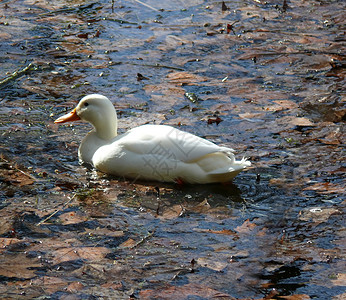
(150,152)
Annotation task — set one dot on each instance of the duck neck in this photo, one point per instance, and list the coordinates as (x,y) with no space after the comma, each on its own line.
(106,126)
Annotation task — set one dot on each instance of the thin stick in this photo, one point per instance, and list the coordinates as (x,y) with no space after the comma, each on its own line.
(158,66)
(14,166)
(142,240)
(51,215)
(147,5)
(17,74)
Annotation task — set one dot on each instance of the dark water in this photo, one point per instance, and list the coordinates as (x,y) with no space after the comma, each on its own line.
(277,83)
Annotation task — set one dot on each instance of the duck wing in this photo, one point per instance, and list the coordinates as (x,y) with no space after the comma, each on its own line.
(168,141)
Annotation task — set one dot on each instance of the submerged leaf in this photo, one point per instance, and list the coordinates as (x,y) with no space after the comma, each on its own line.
(246,227)
(183,292)
(18,266)
(212,263)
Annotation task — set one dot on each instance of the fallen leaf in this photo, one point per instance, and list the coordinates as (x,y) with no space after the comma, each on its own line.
(295,297)
(112,285)
(286,104)
(211,263)
(201,207)
(183,292)
(103,232)
(340,280)
(185,77)
(17,177)
(73,253)
(172,212)
(73,217)
(249,115)
(340,297)
(50,284)
(224,231)
(75,286)
(216,120)
(128,244)
(4,242)
(333,138)
(246,227)
(18,266)
(317,214)
(83,35)
(295,121)
(325,188)
(172,42)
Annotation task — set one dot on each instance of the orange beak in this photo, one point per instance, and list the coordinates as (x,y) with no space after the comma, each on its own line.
(70,117)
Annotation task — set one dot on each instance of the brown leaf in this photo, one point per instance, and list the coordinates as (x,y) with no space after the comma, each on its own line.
(296,297)
(340,279)
(172,212)
(201,207)
(112,285)
(83,35)
(281,105)
(4,242)
(104,231)
(325,188)
(296,121)
(17,177)
(246,227)
(216,120)
(172,42)
(75,286)
(224,231)
(251,115)
(73,253)
(18,266)
(73,217)
(333,138)
(128,244)
(286,104)
(183,292)
(49,284)
(211,263)
(317,214)
(185,77)
(4,36)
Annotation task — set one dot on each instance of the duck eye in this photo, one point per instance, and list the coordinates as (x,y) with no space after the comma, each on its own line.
(86,104)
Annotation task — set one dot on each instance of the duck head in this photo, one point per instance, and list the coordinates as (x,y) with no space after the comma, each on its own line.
(97,110)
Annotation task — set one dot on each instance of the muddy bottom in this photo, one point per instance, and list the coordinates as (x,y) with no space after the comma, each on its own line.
(264,78)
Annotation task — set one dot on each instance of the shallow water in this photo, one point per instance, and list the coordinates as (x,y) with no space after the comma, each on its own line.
(276,80)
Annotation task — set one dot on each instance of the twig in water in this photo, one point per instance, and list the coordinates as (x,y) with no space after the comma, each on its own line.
(142,240)
(51,215)
(120,21)
(69,9)
(147,5)
(158,66)
(14,166)
(17,74)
